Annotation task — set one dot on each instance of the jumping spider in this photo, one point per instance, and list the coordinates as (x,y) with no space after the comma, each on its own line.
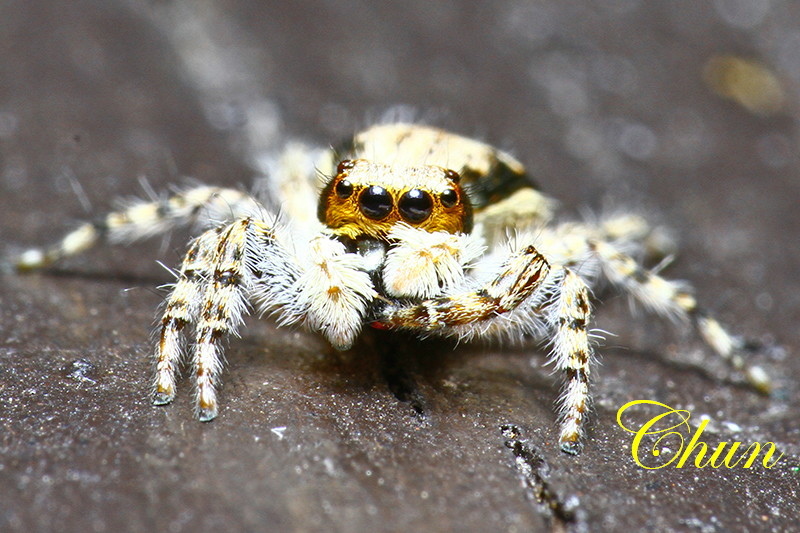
(412,234)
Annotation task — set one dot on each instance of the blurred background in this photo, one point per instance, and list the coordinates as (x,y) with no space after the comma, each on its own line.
(686,112)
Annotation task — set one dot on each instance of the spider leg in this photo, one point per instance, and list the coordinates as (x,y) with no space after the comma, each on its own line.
(514,303)
(215,279)
(569,316)
(180,310)
(250,260)
(142,219)
(675,299)
(221,311)
(526,207)
(635,232)
(522,274)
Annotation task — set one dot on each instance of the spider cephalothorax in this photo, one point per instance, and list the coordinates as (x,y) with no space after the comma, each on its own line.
(396,248)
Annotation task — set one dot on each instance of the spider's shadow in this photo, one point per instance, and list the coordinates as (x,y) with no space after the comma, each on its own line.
(410,365)
(403,361)
(145,280)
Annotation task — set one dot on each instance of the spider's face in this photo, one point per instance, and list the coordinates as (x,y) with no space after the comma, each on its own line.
(366,198)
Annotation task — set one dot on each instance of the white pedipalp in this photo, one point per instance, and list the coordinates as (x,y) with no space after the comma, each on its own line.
(423,264)
(335,291)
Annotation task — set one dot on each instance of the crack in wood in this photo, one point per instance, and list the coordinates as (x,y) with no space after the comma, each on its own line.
(563,512)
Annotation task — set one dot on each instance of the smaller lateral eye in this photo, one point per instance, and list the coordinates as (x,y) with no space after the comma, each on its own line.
(344,189)
(448,197)
(344,166)
(452,175)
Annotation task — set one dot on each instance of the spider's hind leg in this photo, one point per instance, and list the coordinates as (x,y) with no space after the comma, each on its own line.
(142,219)
(675,299)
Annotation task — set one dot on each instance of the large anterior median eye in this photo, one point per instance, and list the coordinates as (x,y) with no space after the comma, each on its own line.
(375,202)
(415,205)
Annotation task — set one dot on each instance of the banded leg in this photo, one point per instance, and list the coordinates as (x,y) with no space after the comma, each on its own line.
(570,243)
(181,309)
(525,285)
(251,259)
(144,219)
(674,299)
(569,316)
(522,275)
(250,262)
(221,311)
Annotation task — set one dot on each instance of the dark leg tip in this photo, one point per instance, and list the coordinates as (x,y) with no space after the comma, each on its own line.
(207,414)
(162,398)
(572,447)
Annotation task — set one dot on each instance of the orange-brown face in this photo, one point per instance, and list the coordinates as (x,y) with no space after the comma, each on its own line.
(366,198)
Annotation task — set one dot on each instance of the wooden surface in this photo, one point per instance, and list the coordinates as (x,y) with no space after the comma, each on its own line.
(607,105)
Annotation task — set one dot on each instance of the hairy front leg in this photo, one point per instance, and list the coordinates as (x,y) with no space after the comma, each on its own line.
(181,310)
(215,281)
(523,294)
(569,316)
(520,277)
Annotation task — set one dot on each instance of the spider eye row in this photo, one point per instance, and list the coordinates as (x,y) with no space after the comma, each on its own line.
(376,203)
